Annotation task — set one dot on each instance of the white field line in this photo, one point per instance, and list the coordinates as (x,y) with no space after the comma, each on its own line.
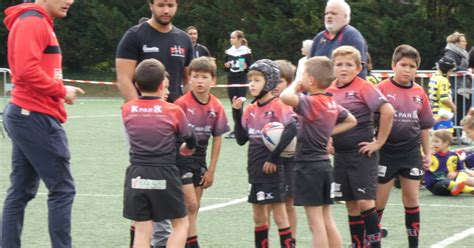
(91,116)
(435,205)
(221,205)
(455,238)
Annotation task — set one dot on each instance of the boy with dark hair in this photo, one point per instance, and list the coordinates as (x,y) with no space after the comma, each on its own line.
(440,96)
(207,117)
(447,175)
(264,167)
(152,186)
(356,156)
(401,155)
(319,118)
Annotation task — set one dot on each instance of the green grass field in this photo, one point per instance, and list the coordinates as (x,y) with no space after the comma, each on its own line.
(99,159)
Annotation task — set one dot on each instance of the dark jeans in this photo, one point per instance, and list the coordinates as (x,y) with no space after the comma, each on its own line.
(39,151)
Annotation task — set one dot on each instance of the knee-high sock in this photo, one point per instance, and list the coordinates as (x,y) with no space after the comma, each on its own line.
(357,229)
(261,237)
(412,222)
(372,228)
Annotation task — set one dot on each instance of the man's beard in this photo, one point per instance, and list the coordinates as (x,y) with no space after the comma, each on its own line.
(332,27)
(161,22)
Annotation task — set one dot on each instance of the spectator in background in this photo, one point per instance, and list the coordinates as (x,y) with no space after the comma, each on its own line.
(456,51)
(199,50)
(305,51)
(370,77)
(237,60)
(338,32)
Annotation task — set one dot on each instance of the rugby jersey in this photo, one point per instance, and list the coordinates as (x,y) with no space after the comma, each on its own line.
(361,99)
(205,118)
(441,165)
(412,114)
(153,126)
(439,90)
(254,118)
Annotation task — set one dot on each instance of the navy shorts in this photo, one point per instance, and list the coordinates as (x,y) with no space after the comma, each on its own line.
(355,176)
(153,193)
(314,183)
(191,170)
(406,164)
(267,193)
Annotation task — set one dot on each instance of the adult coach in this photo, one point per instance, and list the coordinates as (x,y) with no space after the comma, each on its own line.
(338,32)
(199,50)
(33,120)
(159,39)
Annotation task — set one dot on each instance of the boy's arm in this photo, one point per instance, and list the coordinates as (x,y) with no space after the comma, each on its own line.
(125,72)
(385,126)
(449,104)
(289,95)
(241,135)
(208,177)
(426,148)
(349,122)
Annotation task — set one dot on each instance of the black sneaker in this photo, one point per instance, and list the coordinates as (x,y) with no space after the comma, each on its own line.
(231,135)
(384,232)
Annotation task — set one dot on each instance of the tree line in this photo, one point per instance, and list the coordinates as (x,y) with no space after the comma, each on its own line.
(274,28)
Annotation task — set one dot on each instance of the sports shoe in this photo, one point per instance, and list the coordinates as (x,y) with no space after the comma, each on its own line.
(458,188)
(231,135)
(384,232)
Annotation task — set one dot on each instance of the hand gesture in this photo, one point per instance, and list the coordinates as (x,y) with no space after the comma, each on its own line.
(369,148)
(237,102)
(269,168)
(71,94)
(426,161)
(207,179)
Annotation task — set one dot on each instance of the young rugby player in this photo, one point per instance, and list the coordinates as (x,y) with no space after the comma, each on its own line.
(152,184)
(207,116)
(356,151)
(447,175)
(318,115)
(401,155)
(264,167)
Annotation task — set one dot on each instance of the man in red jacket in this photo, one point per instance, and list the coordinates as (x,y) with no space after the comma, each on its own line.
(33,120)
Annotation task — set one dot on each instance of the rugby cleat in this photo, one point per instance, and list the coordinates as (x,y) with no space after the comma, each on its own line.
(458,188)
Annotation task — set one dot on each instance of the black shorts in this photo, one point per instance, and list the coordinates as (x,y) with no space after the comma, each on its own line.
(313,187)
(191,170)
(267,193)
(355,176)
(408,165)
(289,167)
(153,193)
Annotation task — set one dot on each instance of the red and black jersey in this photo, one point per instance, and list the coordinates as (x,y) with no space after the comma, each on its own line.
(362,99)
(34,57)
(412,114)
(254,118)
(317,116)
(153,126)
(206,119)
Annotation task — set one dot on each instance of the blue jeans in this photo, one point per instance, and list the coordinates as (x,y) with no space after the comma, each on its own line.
(39,151)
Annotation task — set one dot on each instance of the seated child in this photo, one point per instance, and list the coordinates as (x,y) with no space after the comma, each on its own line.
(446,174)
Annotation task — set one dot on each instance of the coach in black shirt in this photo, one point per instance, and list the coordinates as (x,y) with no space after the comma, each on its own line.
(199,50)
(156,38)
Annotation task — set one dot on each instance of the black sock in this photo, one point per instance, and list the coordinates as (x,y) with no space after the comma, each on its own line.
(132,235)
(380,214)
(372,227)
(261,237)
(192,242)
(357,228)
(412,223)
(285,238)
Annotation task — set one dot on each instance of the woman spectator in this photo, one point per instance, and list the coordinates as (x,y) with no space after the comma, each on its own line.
(237,59)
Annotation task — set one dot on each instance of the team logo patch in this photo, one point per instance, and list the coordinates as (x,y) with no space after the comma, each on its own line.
(351,95)
(418,100)
(187,175)
(147,49)
(177,51)
(416,172)
(139,183)
(211,114)
(382,170)
(260,196)
(336,190)
(269,114)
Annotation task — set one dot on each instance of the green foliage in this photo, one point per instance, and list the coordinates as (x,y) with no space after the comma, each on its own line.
(274,28)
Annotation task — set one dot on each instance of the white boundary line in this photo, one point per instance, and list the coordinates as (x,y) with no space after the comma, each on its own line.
(221,205)
(91,116)
(434,205)
(455,238)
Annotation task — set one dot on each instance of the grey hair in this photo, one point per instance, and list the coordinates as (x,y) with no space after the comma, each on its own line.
(344,5)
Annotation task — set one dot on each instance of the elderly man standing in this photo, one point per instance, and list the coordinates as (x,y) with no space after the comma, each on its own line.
(338,32)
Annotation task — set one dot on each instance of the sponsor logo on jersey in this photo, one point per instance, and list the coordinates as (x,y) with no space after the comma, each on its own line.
(418,100)
(391,96)
(190,110)
(177,51)
(211,114)
(138,109)
(269,114)
(147,49)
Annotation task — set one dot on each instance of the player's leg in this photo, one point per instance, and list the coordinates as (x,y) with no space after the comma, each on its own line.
(281,220)
(356,224)
(23,187)
(143,232)
(316,222)
(291,213)
(410,197)
(190,201)
(179,232)
(260,218)
(192,240)
(333,235)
